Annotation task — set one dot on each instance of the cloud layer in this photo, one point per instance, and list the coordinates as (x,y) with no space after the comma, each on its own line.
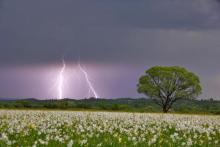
(126,33)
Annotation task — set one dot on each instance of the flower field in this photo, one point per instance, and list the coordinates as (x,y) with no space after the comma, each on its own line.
(66,128)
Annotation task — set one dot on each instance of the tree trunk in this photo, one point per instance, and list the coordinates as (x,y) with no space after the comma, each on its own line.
(165,109)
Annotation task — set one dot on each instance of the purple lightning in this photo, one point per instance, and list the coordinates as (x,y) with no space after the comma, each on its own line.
(61,80)
(91,88)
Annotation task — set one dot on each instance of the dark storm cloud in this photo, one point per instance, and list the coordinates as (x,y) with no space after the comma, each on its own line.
(41,31)
(1,2)
(126,33)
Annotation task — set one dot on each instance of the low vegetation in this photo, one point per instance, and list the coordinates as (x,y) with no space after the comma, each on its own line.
(126,104)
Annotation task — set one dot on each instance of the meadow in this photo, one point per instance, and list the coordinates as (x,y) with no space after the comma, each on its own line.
(96,129)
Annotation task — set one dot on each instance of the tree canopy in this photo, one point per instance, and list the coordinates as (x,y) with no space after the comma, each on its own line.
(166,84)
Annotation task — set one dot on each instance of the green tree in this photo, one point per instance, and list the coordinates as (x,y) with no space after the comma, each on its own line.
(165,85)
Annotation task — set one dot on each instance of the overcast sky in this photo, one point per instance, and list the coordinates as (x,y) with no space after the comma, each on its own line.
(117,40)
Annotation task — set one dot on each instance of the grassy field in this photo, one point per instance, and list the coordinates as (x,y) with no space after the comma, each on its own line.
(66,128)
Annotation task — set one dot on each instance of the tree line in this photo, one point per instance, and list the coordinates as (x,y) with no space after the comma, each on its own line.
(123,105)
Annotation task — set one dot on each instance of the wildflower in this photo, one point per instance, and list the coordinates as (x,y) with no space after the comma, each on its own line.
(70,144)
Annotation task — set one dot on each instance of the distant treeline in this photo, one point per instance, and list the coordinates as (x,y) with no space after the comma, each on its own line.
(125,104)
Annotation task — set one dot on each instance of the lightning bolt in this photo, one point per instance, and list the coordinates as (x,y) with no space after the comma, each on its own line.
(61,80)
(91,87)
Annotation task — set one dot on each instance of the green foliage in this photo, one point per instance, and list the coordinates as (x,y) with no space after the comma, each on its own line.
(165,85)
(126,105)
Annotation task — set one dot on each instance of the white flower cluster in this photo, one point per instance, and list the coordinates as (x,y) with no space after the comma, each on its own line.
(66,128)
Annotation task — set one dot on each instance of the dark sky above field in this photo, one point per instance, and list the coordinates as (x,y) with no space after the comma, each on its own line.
(116,40)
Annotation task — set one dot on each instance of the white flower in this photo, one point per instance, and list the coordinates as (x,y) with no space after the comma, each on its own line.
(70,144)
(189,142)
(83,142)
(99,145)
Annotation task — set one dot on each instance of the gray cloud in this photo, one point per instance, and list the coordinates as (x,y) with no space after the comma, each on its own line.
(125,33)
(40,31)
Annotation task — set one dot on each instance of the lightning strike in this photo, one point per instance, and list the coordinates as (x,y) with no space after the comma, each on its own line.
(91,88)
(61,80)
